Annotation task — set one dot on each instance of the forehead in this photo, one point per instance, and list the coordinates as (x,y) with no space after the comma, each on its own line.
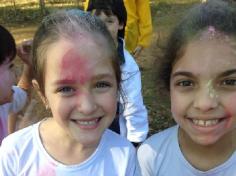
(71,53)
(207,55)
(104,13)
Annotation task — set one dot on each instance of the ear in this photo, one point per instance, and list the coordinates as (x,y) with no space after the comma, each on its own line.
(42,97)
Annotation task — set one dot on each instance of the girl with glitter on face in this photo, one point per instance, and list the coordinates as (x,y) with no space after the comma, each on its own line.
(81,88)
(199,70)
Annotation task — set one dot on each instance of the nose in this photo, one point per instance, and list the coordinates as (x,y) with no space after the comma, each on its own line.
(86,103)
(205,100)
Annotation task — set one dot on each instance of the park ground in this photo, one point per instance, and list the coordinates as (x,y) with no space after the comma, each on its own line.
(23,18)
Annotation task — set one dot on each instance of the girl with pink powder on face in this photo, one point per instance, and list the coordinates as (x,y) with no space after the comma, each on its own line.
(12,98)
(77,73)
(199,69)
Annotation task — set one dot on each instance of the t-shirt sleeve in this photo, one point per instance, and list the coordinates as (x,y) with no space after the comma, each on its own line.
(19,99)
(7,163)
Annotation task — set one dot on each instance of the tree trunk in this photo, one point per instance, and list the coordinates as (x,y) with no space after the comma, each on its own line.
(42,7)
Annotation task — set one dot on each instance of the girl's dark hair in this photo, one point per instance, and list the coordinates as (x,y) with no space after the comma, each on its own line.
(7,46)
(216,13)
(110,7)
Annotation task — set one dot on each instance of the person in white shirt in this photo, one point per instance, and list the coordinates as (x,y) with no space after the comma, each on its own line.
(199,70)
(77,73)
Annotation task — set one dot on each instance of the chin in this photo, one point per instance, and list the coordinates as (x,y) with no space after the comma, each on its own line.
(206,140)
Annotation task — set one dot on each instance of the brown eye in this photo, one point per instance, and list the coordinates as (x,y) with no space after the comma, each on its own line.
(229,82)
(103,85)
(185,83)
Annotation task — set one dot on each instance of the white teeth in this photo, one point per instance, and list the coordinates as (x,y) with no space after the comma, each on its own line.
(205,123)
(87,123)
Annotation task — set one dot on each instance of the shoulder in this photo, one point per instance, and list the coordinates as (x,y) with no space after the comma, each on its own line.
(18,150)
(130,63)
(118,146)
(115,140)
(157,142)
(20,139)
(155,151)
(162,136)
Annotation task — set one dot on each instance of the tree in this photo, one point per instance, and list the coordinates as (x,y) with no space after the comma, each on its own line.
(42,7)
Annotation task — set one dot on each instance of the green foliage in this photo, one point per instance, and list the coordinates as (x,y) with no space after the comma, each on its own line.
(30,12)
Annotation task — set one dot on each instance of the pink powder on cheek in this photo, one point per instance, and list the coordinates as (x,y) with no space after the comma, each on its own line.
(230,109)
(74,68)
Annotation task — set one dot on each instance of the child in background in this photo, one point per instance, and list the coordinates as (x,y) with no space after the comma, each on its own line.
(138,31)
(133,119)
(200,71)
(81,89)
(12,98)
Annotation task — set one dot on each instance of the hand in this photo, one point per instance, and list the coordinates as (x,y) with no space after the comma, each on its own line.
(137,51)
(24,51)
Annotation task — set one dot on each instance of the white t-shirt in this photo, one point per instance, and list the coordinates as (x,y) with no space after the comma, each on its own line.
(23,154)
(160,155)
(18,102)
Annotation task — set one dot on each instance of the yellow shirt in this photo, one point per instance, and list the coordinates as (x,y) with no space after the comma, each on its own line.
(138,31)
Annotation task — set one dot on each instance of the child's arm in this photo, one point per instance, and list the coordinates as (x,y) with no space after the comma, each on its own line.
(135,112)
(12,118)
(23,51)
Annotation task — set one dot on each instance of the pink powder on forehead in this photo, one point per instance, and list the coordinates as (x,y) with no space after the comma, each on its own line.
(74,68)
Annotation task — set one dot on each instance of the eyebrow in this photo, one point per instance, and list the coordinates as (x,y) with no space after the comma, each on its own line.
(73,81)
(65,81)
(228,72)
(182,73)
(104,75)
(188,74)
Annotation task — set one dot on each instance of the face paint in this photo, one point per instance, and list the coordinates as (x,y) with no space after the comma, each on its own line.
(211,91)
(74,68)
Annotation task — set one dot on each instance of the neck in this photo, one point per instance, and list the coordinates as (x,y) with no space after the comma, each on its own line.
(61,146)
(206,157)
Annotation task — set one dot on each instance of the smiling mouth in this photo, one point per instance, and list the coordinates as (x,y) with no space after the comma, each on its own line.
(87,123)
(206,123)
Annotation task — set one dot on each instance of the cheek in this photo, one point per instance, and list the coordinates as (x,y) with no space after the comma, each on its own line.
(179,105)
(110,104)
(6,82)
(175,103)
(229,105)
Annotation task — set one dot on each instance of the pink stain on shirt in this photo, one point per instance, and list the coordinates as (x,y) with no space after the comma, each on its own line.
(48,170)
(74,68)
